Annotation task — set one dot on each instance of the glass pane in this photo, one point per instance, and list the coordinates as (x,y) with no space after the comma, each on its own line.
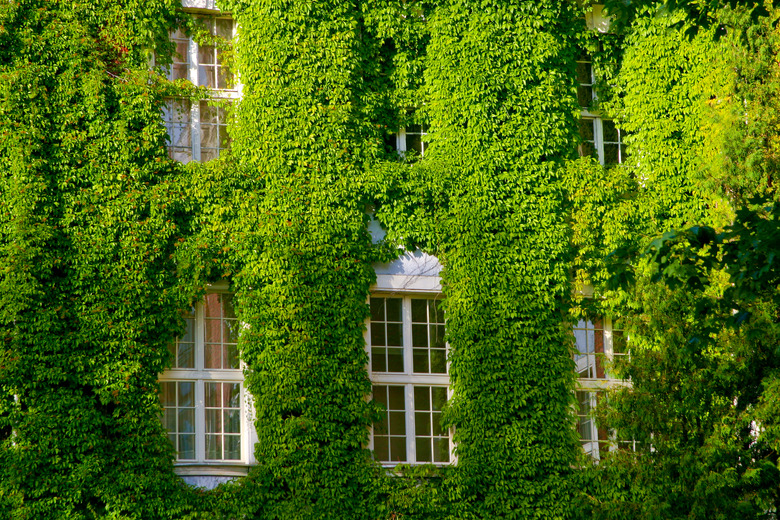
(213,447)
(398,449)
(378,362)
(212,356)
(223,76)
(436,422)
(422,398)
(419,311)
(208,155)
(586,129)
(224,28)
(583,73)
(611,154)
(420,336)
(378,334)
(422,424)
(395,360)
(393,309)
(381,448)
(168,397)
(438,361)
(437,311)
(186,447)
(439,394)
(394,335)
(206,54)
(584,95)
(186,393)
(228,311)
(231,357)
(610,132)
(187,420)
(232,421)
(189,330)
(441,450)
(437,336)
(213,421)
(424,450)
(414,129)
(209,137)
(186,358)
(377,307)
(396,398)
(213,393)
(232,395)
(213,306)
(380,395)
(397,422)
(420,360)
(169,420)
(381,427)
(232,447)
(213,331)
(414,142)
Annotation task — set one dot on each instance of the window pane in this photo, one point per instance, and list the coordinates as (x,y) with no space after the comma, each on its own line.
(424,450)
(380,395)
(393,306)
(169,420)
(231,357)
(213,447)
(419,311)
(232,421)
(437,336)
(610,131)
(420,336)
(212,356)
(213,306)
(441,450)
(397,422)
(422,398)
(378,334)
(611,154)
(398,449)
(186,355)
(232,395)
(439,394)
(438,361)
(586,129)
(186,393)
(396,398)
(378,361)
(420,360)
(394,335)
(213,393)
(168,394)
(213,331)
(422,423)
(213,421)
(436,423)
(395,360)
(232,447)
(377,308)
(381,448)
(187,420)
(186,447)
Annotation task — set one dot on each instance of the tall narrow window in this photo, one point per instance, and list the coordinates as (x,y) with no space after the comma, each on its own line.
(410,375)
(199,131)
(202,393)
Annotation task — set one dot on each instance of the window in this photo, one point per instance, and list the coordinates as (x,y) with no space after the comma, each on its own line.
(600,347)
(410,379)
(198,131)
(410,138)
(601,138)
(202,394)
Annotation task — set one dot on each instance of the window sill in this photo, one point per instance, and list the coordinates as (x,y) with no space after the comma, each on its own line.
(238,469)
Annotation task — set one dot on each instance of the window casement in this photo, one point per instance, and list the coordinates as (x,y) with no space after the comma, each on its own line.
(409,375)
(600,137)
(205,409)
(198,130)
(411,138)
(600,346)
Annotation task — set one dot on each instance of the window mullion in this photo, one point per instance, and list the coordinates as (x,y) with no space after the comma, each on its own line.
(599,139)
(411,447)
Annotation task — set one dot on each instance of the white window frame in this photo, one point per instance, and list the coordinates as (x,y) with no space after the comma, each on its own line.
(401,139)
(408,379)
(587,360)
(598,122)
(200,376)
(217,95)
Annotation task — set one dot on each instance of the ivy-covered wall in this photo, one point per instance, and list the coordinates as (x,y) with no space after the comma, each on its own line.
(104,240)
